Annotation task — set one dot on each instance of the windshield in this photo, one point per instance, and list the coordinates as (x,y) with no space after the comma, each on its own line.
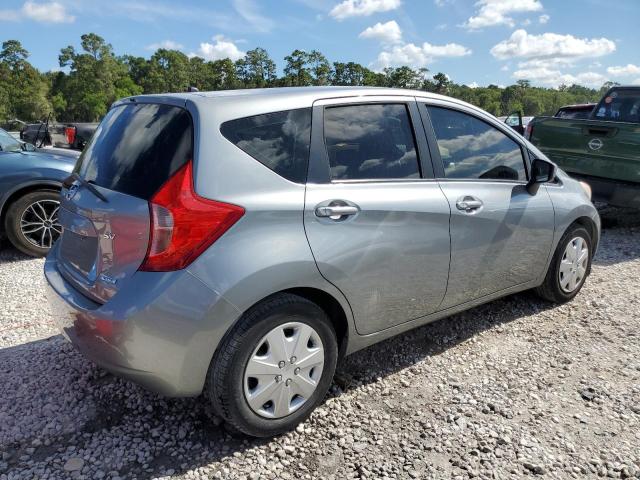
(8,143)
(620,106)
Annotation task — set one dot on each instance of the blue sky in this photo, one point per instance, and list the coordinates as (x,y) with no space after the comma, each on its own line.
(475,42)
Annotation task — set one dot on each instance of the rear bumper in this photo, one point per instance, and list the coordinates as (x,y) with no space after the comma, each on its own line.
(160,330)
(614,192)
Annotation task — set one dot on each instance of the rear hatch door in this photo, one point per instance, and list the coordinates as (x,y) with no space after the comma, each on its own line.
(105,212)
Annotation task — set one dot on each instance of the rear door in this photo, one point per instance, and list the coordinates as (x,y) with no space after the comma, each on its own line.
(501,235)
(136,148)
(377,222)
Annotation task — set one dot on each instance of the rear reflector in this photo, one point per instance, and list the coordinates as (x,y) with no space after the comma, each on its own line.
(183,224)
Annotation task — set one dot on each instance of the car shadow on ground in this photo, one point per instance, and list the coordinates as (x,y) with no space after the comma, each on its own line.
(10,254)
(53,398)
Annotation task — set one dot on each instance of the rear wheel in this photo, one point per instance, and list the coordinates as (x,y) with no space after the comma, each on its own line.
(275,367)
(32,224)
(569,267)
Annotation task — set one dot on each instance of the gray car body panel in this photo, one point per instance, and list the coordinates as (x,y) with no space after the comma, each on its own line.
(172,323)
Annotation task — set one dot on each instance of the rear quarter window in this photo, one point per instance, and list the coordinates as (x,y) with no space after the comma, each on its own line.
(137,148)
(278,140)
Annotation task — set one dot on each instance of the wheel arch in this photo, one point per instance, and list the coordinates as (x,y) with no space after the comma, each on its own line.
(590,226)
(332,308)
(23,189)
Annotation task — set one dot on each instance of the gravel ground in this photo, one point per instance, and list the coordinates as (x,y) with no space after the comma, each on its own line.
(515,388)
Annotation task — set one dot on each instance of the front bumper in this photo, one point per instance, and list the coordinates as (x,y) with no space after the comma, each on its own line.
(160,330)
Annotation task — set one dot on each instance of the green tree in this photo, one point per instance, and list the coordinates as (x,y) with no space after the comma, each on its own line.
(23,90)
(96,79)
(168,71)
(256,69)
(296,70)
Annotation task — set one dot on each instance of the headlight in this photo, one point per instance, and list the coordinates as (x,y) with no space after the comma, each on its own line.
(587,189)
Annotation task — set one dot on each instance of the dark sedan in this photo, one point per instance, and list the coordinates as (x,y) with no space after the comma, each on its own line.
(30,183)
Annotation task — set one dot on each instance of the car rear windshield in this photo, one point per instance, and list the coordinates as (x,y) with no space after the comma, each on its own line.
(137,148)
(620,106)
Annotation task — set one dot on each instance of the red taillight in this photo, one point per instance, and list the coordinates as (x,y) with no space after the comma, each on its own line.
(70,133)
(183,225)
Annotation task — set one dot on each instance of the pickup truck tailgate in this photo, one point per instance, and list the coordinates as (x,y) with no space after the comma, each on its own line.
(590,147)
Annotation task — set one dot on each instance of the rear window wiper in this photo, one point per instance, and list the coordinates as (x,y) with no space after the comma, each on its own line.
(75,177)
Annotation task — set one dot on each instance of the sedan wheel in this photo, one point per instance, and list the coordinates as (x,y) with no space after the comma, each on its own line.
(39,223)
(573,266)
(32,223)
(274,367)
(569,267)
(284,370)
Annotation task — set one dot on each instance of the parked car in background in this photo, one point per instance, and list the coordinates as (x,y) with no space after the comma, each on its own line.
(61,135)
(602,150)
(517,121)
(30,183)
(224,242)
(575,111)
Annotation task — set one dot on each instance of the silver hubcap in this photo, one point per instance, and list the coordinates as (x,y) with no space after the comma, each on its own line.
(39,223)
(284,370)
(573,265)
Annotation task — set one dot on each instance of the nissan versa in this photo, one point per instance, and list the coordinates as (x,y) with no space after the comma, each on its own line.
(240,243)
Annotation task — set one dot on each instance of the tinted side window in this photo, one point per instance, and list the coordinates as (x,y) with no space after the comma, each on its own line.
(370,142)
(620,106)
(136,148)
(471,148)
(278,140)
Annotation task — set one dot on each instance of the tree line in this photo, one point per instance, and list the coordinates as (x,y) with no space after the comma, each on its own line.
(93,77)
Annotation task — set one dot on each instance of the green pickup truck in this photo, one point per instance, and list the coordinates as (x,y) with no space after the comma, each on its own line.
(603,150)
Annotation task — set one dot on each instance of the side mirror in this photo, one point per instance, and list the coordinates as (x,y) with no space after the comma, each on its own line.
(542,171)
(28,147)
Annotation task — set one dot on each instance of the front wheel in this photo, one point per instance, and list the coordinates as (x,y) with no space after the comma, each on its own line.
(32,224)
(275,367)
(569,267)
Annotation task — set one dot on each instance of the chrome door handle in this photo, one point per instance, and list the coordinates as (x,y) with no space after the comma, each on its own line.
(336,211)
(469,204)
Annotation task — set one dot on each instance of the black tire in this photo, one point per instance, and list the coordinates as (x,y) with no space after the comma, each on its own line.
(225,380)
(551,289)
(13,220)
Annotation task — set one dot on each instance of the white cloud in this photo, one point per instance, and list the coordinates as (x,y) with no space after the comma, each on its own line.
(222,48)
(496,12)
(624,71)
(418,56)
(389,32)
(553,77)
(250,12)
(526,22)
(504,68)
(362,8)
(542,19)
(48,12)
(166,44)
(473,85)
(550,45)
(636,81)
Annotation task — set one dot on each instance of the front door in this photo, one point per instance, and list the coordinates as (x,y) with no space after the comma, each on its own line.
(501,235)
(376,220)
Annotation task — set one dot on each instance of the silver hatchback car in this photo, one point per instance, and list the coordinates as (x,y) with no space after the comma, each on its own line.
(240,243)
